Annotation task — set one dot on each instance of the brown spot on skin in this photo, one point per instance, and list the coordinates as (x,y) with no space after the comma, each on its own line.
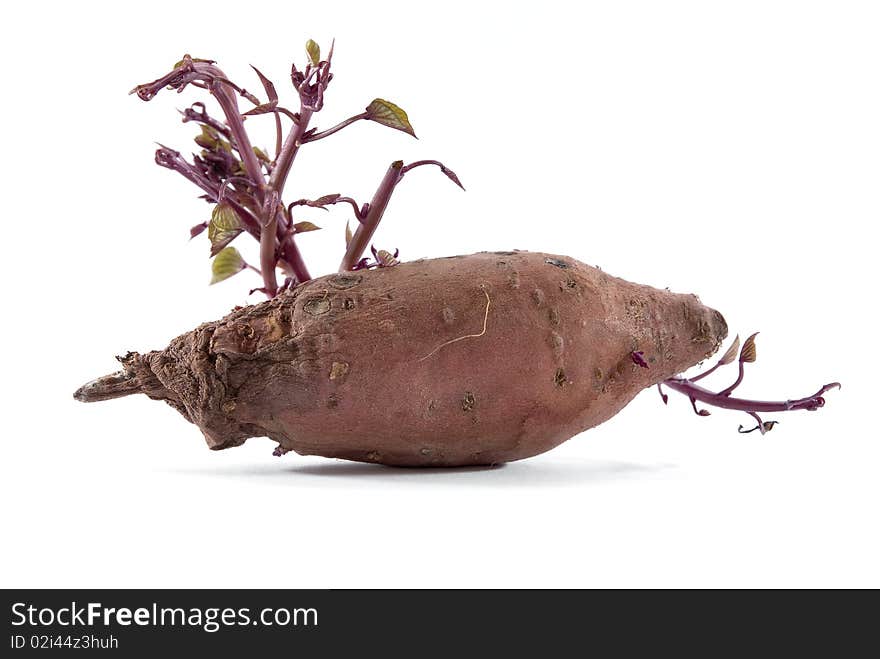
(332,402)
(246,331)
(374,456)
(559,379)
(228,407)
(468,402)
(448,315)
(386,325)
(348,305)
(344,281)
(557,343)
(568,285)
(317,306)
(538,296)
(274,328)
(636,309)
(597,374)
(513,281)
(339,370)
(553,315)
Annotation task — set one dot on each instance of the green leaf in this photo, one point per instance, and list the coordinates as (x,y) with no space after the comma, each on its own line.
(259,153)
(208,138)
(314,51)
(223,227)
(302,227)
(386,113)
(194,59)
(227,263)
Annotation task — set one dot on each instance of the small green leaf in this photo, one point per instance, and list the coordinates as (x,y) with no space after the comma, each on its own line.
(193,59)
(223,227)
(302,227)
(226,264)
(386,113)
(314,51)
(261,154)
(208,138)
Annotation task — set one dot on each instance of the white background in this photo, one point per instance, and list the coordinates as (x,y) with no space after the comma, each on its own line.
(727,149)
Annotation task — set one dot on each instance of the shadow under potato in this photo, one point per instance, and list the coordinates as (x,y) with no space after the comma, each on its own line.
(537,473)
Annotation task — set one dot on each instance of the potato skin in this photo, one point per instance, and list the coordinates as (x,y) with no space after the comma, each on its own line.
(392,365)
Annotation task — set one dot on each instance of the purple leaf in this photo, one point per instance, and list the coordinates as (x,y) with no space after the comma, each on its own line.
(263,108)
(267,85)
(197,229)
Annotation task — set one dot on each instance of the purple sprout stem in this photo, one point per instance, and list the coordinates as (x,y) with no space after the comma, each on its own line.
(289,250)
(220,88)
(223,90)
(342,124)
(367,226)
(708,372)
(725,401)
(202,117)
(268,244)
(289,150)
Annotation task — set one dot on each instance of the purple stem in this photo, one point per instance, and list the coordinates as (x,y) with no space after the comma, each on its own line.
(736,383)
(339,200)
(268,243)
(289,150)
(368,225)
(202,117)
(215,80)
(724,401)
(326,133)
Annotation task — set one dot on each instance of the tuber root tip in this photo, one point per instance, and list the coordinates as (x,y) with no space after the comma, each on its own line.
(114,385)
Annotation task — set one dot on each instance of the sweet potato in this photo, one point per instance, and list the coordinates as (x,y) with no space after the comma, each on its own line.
(467,360)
